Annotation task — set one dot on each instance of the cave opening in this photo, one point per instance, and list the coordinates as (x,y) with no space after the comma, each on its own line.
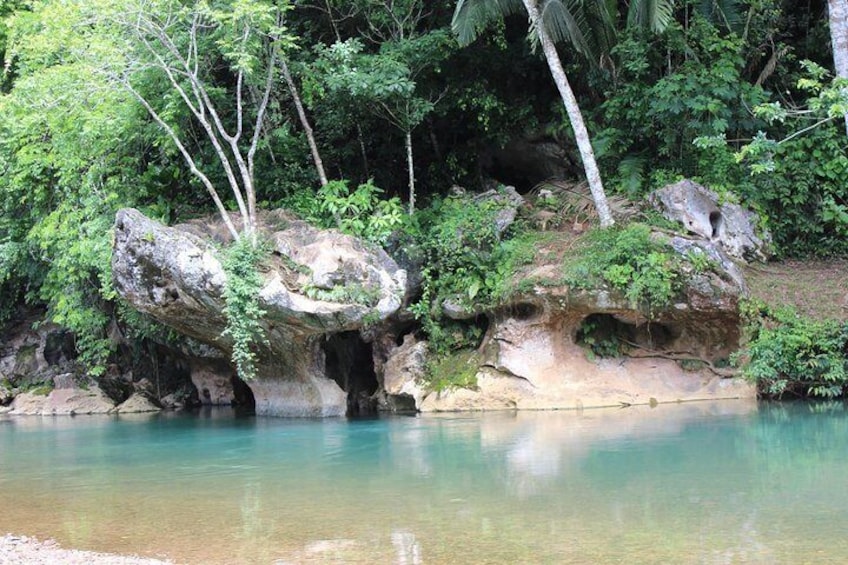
(715,223)
(243,400)
(608,336)
(349,361)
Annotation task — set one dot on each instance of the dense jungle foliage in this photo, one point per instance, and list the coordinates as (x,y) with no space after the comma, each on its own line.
(363,114)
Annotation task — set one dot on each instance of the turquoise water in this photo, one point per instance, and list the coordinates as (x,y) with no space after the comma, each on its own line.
(728,482)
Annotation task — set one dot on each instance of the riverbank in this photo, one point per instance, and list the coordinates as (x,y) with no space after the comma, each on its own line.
(20,550)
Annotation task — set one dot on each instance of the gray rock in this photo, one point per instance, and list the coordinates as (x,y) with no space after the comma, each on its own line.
(510,201)
(65,380)
(701,212)
(174,275)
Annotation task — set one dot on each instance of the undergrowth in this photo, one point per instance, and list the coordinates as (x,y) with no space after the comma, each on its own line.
(787,353)
(469,263)
(649,273)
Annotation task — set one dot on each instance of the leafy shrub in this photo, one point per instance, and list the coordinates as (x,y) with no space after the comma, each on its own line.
(669,90)
(804,195)
(361,213)
(790,354)
(628,260)
(468,262)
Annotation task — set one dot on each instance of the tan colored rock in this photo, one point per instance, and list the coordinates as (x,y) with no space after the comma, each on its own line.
(531,358)
(65,401)
(28,403)
(136,404)
(213,379)
(403,375)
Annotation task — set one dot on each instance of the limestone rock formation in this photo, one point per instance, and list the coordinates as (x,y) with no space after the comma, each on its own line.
(317,283)
(701,212)
(137,404)
(63,401)
(404,374)
(532,356)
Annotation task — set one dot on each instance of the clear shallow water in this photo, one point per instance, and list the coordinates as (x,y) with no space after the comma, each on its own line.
(693,483)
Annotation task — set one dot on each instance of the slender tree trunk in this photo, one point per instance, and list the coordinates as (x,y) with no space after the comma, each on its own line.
(304,121)
(409,165)
(361,138)
(581,136)
(838,15)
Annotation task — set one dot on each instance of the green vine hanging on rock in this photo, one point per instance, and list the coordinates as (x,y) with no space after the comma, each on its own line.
(242,310)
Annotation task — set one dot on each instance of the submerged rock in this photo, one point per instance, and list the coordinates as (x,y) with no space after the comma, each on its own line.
(316,282)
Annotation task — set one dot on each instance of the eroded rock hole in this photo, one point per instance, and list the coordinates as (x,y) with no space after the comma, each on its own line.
(243,400)
(715,222)
(607,336)
(525,311)
(349,361)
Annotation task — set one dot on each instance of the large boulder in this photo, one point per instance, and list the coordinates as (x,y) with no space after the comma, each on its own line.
(63,401)
(703,213)
(316,282)
(404,374)
(535,356)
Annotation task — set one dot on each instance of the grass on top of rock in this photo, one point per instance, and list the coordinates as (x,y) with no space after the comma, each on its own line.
(630,260)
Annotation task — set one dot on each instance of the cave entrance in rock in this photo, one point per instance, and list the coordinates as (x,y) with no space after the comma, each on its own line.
(243,400)
(349,361)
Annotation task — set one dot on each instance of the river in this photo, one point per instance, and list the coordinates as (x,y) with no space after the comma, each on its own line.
(728,482)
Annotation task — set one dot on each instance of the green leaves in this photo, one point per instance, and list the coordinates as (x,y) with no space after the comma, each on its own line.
(630,261)
(361,213)
(242,310)
(789,354)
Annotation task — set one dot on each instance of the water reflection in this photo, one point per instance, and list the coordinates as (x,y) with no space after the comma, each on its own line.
(697,483)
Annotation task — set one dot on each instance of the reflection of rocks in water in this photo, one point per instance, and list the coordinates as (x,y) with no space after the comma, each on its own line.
(408,550)
(413,457)
(542,446)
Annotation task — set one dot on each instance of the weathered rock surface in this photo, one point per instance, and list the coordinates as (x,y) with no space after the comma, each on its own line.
(701,212)
(137,404)
(213,379)
(404,375)
(174,275)
(532,358)
(63,401)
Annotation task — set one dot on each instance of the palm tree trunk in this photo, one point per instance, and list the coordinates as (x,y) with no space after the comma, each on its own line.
(581,136)
(304,121)
(838,15)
